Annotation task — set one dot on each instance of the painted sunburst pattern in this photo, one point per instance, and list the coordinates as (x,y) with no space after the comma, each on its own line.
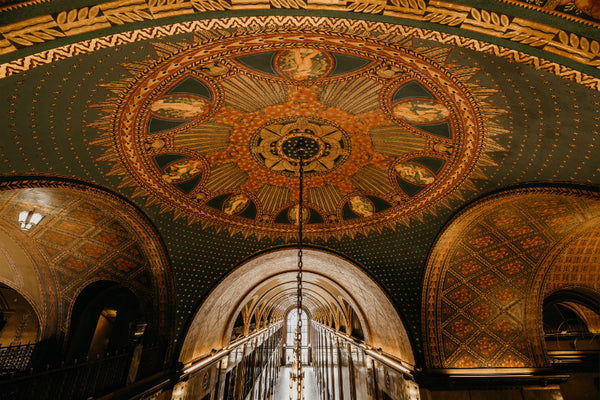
(209,131)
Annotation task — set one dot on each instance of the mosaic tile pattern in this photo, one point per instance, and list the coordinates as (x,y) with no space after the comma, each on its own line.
(480,276)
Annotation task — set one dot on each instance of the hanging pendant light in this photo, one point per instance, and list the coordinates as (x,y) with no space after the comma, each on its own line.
(297,374)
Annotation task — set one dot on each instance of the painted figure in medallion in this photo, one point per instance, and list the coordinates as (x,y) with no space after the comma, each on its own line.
(421,111)
(235,204)
(180,107)
(414,173)
(361,206)
(182,170)
(302,63)
(293,214)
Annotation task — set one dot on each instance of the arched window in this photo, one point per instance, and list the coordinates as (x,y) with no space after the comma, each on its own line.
(292,323)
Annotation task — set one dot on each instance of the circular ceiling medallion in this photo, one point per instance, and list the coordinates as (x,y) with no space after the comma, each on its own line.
(274,145)
(211,132)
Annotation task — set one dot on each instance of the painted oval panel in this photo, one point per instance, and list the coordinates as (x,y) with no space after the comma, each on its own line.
(293,214)
(180,107)
(302,63)
(414,173)
(182,170)
(421,111)
(235,204)
(361,206)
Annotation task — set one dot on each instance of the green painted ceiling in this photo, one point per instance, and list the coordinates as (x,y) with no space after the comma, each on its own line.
(550,134)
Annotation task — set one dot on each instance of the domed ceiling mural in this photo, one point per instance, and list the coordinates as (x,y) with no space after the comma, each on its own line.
(210,131)
(192,110)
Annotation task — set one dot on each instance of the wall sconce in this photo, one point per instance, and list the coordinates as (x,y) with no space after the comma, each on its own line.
(29,219)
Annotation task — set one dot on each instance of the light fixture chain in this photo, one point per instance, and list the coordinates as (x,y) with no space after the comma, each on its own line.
(301,150)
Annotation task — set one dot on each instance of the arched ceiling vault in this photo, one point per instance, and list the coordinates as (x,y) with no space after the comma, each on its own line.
(285,294)
(491,268)
(86,235)
(212,325)
(320,285)
(412,110)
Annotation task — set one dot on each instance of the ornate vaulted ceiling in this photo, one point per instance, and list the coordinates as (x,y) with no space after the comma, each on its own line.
(192,109)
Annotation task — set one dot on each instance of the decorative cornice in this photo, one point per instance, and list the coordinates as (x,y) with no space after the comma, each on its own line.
(445,16)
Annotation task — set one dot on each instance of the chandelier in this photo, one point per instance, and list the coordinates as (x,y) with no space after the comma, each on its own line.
(297,374)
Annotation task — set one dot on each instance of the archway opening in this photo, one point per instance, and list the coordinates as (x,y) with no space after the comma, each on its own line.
(243,334)
(571,323)
(103,319)
(291,328)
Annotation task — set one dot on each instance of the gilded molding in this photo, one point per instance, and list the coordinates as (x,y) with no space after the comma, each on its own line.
(46,28)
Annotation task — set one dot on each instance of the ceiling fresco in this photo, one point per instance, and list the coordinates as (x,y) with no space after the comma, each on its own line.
(411,110)
(210,131)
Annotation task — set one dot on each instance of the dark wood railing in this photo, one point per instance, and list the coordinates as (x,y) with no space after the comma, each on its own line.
(79,380)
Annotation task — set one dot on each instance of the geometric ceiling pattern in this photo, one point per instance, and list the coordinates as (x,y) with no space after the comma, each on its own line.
(478,297)
(577,265)
(84,237)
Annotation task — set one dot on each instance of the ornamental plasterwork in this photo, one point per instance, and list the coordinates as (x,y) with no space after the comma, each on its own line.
(208,131)
(551,39)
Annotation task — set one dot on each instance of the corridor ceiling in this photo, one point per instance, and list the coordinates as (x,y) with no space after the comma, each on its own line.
(191,111)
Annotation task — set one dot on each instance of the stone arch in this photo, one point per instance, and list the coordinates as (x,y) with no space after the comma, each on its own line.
(87,234)
(213,321)
(481,301)
(19,320)
(573,264)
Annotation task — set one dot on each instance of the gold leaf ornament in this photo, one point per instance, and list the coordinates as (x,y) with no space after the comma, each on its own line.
(584,43)
(94,11)
(72,16)
(574,40)
(563,37)
(83,13)
(485,16)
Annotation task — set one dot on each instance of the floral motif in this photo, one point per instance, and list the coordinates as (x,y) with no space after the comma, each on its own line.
(519,230)
(469,267)
(461,296)
(274,145)
(505,295)
(532,242)
(504,328)
(466,361)
(513,267)
(482,311)
(487,281)
(125,265)
(482,241)
(462,328)
(486,346)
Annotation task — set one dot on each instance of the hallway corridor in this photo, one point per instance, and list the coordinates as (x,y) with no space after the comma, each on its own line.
(282,389)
